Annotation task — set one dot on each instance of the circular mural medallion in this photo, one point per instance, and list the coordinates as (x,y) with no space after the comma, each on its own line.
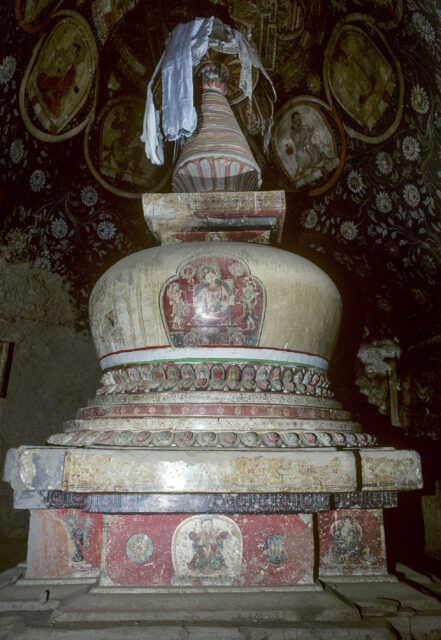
(115,154)
(57,94)
(139,548)
(308,144)
(363,79)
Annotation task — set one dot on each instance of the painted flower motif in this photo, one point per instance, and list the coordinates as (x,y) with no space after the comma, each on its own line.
(383,202)
(37,180)
(89,195)
(411,195)
(418,295)
(106,230)
(16,150)
(314,83)
(423,27)
(348,230)
(419,99)
(7,69)
(308,218)
(411,148)
(59,228)
(355,181)
(384,162)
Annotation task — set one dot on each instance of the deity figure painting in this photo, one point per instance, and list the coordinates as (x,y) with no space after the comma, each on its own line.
(57,76)
(79,536)
(208,546)
(304,143)
(121,154)
(361,78)
(213,301)
(348,545)
(213,296)
(60,76)
(178,305)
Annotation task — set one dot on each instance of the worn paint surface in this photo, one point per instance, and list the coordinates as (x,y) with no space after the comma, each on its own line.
(351,542)
(216,550)
(176,471)
(63,543)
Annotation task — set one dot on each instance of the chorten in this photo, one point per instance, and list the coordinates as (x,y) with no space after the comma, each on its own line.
(214,453)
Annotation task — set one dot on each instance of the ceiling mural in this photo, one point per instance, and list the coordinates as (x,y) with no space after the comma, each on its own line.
(356,141)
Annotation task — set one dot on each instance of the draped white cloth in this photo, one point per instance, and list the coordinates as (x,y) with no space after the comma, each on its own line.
(184,50)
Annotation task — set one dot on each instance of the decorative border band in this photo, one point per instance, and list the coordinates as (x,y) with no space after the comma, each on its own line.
(214,354)
(211,439)
(233,503)
(216,376)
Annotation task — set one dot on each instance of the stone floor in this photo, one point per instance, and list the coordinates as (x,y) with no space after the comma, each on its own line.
(408,608)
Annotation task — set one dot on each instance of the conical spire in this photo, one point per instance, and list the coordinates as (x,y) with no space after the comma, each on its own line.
(217,157)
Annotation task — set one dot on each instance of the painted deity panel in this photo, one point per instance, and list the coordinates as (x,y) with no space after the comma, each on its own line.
(213,300)
(115,153)
(308,143)
(63,543)
(208,547)
(364,78)
(352,542)
(361,78)
(60,79)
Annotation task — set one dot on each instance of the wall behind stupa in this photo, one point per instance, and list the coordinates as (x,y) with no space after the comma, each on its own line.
(54,368)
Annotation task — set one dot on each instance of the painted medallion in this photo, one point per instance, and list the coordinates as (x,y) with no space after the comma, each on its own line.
(139,548)
(57,92)
(114,151)
(308,143)
(363,78)
(213,301)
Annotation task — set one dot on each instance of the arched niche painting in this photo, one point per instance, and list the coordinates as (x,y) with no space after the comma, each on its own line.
(308,144)
(364,81)
(57,92)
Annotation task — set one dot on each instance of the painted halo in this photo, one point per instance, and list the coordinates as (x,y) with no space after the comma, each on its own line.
(363,80)
(58,90)
(115,154)
(308,145)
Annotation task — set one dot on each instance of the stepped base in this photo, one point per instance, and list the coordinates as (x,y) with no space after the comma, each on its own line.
(377,610)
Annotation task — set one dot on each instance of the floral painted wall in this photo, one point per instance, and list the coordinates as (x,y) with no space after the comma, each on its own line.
(356,143)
